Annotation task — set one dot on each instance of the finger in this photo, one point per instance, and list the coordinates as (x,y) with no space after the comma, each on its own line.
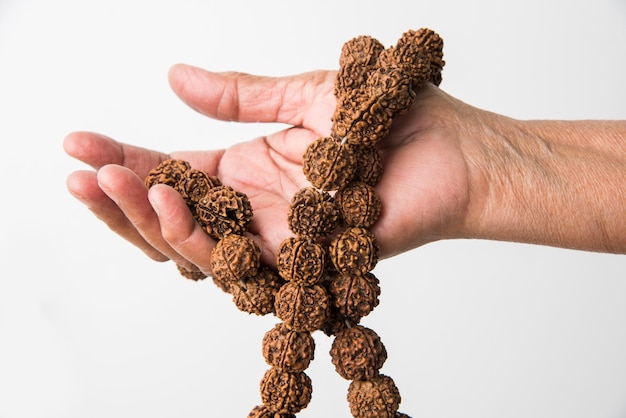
(83,185)
(302,100)
(179,228)
(98,150)
(131,196)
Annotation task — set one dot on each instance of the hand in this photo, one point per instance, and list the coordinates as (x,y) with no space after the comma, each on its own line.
(424,190)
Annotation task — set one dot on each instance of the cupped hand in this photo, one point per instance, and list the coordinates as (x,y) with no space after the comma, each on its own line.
(424,189)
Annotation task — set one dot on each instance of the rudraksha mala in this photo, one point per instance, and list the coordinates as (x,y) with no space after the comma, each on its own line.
(324,278)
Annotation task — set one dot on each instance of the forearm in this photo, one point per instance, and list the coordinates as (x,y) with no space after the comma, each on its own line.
(560,183)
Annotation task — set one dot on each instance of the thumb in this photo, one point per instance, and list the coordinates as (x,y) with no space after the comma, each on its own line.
(235,96)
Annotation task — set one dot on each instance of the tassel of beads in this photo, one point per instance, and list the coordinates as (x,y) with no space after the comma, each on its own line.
(301,304)
(373,87)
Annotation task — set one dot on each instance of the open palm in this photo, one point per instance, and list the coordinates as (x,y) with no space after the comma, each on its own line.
(424,189)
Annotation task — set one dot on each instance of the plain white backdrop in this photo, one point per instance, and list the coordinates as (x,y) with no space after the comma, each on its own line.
(89,327)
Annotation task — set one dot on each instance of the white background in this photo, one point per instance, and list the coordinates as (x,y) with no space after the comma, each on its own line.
(89,327)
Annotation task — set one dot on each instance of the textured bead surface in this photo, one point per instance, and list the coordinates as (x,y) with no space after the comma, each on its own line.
(361,118)
(301,260)
(358,353)
(194,275)
(302,308)
(195,184)
(369,165)
(223,211)
(261,411)
(168,172)
(358,204)
(234,258)
(410,60)
(288,350)
(312,213)
(353,296)
(393,89)
(358,58)
(375,398)
(257,293)
(432,45)
(328,164)
(285,392)
(354,251)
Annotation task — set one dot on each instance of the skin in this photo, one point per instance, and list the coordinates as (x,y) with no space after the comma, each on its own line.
(451,171)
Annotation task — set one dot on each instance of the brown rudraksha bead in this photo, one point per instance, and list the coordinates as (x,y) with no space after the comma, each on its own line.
(328,164)
(261,411)
(408,57)
(235,258)
(302,308)
(194,275)
(358,58)
(375,398)
(361,118)
(285,392)
(369,165)
(358,204)
(393,90)
(288,350)
(256,294)
(312,213)
(301,260)
(195,184)
(358,353)
(401,415)
(168,172)
(353,296)
(432,45)
(354,251)
(223,211)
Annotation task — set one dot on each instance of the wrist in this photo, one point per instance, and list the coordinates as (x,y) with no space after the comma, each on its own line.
(556,183)
(506,169)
